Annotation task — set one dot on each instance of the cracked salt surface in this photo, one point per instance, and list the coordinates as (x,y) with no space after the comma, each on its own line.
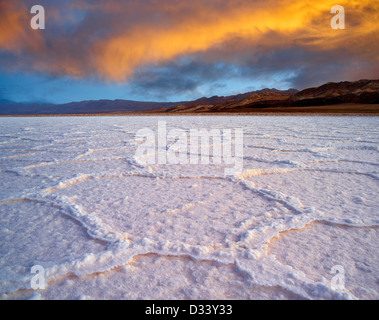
(74,200)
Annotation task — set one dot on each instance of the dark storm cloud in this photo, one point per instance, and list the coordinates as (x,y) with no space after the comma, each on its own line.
(171,47)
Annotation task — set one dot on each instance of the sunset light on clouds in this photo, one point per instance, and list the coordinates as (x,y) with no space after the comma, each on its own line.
(185,49)
(200,151)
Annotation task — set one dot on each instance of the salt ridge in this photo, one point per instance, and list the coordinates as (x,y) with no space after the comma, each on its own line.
(243,240)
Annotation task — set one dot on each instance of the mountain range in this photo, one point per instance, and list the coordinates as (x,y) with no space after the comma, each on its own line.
(344,95)
(360,96)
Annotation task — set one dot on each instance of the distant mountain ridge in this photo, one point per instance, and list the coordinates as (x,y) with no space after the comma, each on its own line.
(242,96)
(82,107)
(332,93)
(362,91)
(357,92)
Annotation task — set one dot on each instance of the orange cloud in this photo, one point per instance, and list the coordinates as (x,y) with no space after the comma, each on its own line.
(306,23)
(116,38)
(15,35)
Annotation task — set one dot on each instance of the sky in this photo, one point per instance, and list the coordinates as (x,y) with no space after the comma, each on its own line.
(179,50)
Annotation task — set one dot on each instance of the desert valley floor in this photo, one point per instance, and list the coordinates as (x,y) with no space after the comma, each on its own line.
(303,211)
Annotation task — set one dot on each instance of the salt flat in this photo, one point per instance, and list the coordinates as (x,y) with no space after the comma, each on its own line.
(77,200)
